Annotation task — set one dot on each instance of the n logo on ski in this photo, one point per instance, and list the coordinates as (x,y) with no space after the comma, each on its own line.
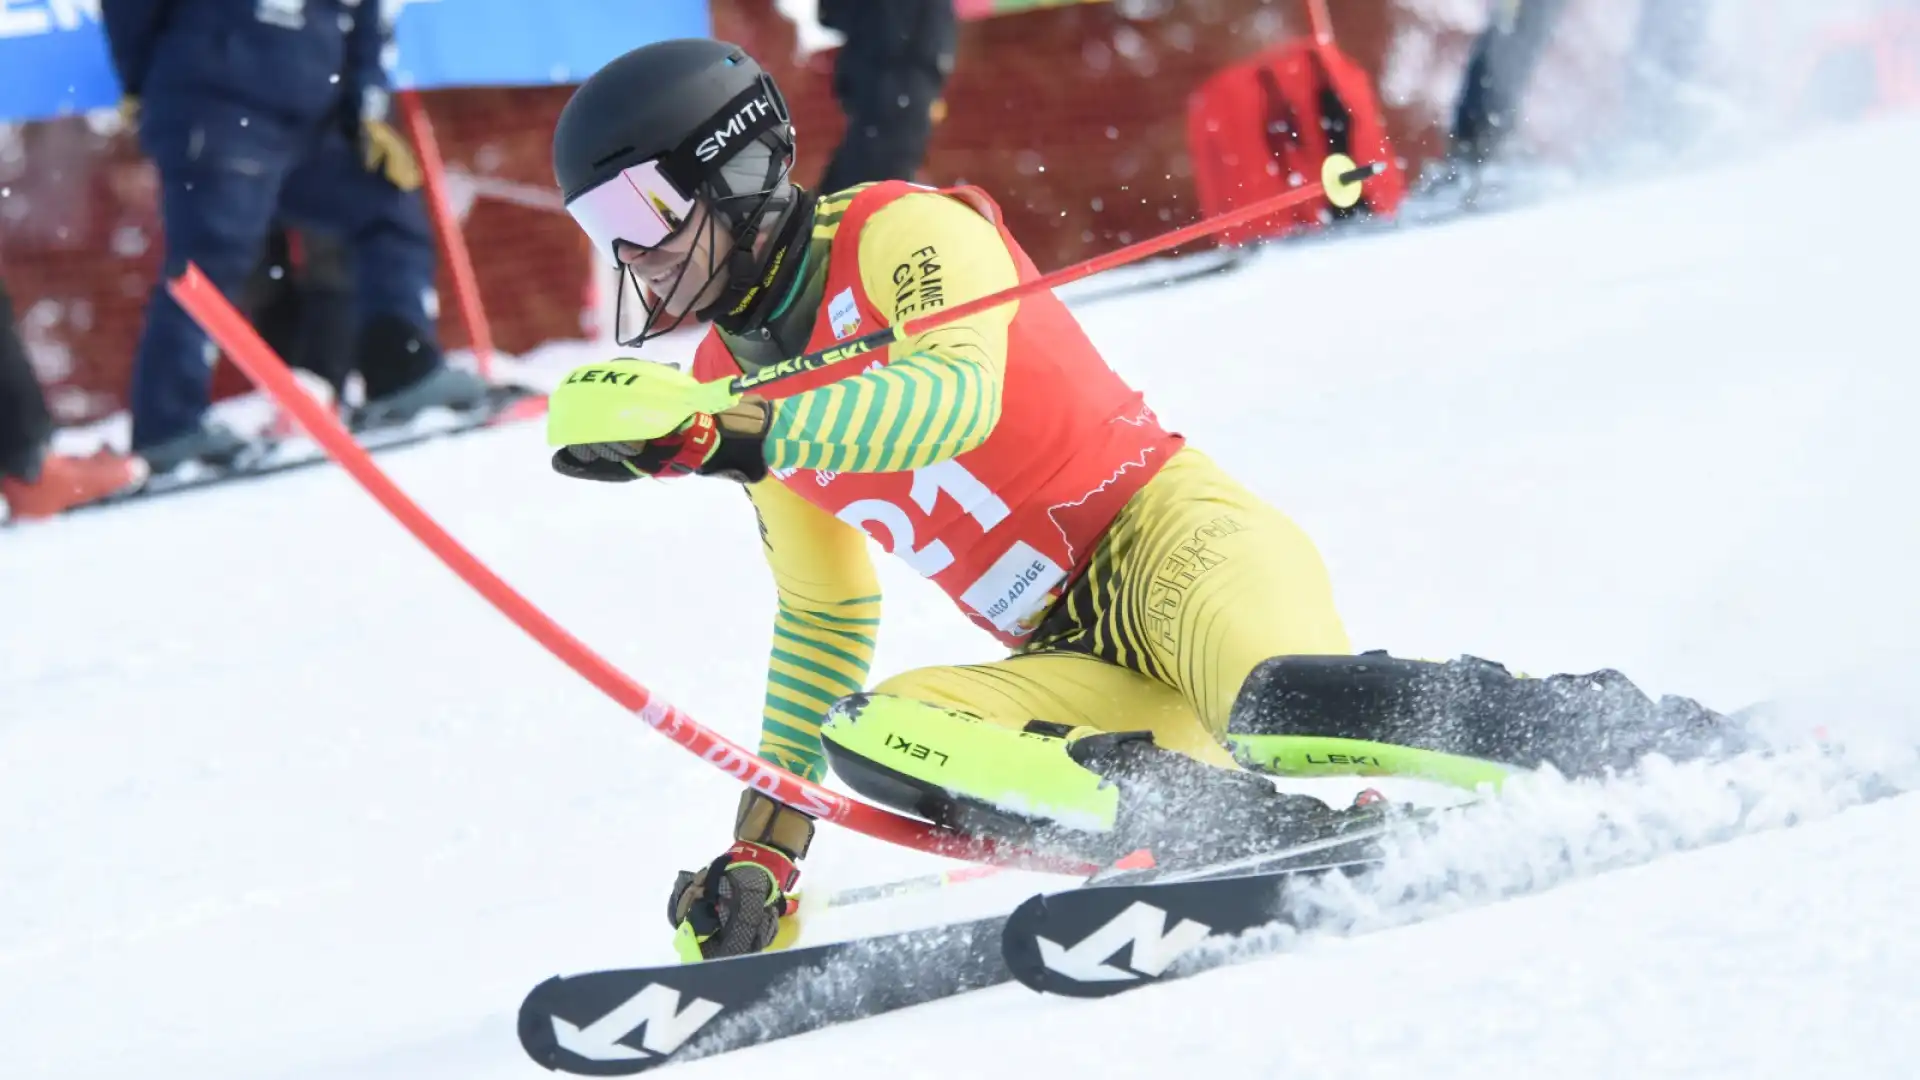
(619,1022)
(1071,942)
(653,1017)
(1141,928)
(582,1025)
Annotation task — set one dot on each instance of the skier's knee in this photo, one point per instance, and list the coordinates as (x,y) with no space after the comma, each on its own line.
(1099,794)
(960,770)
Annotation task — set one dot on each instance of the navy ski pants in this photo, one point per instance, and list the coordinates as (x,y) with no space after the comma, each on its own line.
(226,172)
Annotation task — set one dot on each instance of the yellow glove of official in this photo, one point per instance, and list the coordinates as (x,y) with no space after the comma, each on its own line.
(386,151)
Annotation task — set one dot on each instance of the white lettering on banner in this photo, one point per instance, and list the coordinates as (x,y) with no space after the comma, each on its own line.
(30,18)
(975,499)
(1015,587)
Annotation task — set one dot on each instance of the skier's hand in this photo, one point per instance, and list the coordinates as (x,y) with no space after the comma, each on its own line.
(731,444)
(743,902)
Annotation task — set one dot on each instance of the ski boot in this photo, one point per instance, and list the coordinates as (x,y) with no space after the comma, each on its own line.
(211,445)
(406,374)
(1478,712)
(60,482)
(1083,792)
(1186,812)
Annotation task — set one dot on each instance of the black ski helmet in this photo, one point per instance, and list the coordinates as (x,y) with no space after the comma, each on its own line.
(691,106)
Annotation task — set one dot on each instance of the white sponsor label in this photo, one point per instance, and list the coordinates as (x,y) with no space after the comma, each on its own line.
(843,314)
(1015,587)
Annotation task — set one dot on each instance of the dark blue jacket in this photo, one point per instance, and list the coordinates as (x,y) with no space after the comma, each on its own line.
(303,59)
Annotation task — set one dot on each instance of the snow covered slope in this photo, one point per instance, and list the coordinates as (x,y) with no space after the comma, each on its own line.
(280,799)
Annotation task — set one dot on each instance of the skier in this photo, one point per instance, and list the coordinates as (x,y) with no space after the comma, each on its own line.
(1151,603)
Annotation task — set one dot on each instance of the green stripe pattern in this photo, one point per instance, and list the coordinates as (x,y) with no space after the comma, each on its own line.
(920,410)
(818,657)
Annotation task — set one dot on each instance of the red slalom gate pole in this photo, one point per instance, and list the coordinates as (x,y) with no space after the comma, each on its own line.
(1350,174)
(1321,20)
(453,242)
(268,371)
(1340,181)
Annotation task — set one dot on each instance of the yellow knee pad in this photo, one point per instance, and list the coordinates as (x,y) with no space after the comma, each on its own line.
(959,770)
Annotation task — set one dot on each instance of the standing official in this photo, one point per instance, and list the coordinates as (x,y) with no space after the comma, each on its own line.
(889,77)
(258,109)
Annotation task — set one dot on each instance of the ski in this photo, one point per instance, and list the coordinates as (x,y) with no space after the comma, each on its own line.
(505,404)
(1159,274)
(625,1021)
(1071,943)
(621,1022)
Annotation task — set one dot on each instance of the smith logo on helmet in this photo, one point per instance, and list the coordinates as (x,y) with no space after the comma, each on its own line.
(739,124)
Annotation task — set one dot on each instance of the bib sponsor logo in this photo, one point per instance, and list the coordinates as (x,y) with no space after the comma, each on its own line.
(843,314)
(1015,588)
(918,287)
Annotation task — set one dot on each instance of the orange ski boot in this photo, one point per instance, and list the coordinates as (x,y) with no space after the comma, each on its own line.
(66,482)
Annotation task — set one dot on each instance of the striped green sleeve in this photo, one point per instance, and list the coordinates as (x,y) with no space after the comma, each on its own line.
(933,405)
(819,656)
(824,625)
(940,394)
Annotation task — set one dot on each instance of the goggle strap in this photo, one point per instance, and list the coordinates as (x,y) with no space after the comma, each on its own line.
(737,125)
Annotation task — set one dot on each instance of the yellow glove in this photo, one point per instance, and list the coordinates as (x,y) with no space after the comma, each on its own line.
(385,150)
(746,900)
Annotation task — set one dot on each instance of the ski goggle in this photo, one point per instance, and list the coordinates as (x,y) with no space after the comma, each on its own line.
(640,206)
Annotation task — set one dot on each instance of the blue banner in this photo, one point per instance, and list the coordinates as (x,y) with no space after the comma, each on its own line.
(530,42)
(54,60)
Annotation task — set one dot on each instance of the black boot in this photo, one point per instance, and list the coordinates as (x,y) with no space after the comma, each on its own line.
(1582,725)
(405,374)
(1190,813)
